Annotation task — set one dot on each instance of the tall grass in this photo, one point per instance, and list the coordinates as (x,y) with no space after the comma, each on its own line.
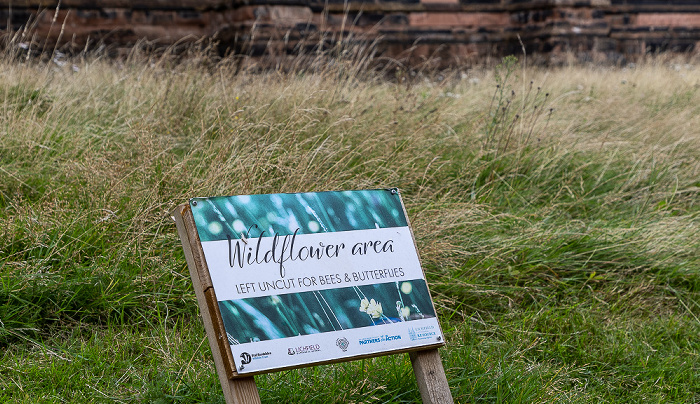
(559,235)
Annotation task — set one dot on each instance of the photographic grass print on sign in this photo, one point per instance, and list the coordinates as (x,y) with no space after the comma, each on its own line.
(306,213)
(320,311)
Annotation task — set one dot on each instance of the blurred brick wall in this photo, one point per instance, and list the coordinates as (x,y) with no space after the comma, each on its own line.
(453,31)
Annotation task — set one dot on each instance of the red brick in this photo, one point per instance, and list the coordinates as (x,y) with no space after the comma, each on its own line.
(461,19)
(668,20)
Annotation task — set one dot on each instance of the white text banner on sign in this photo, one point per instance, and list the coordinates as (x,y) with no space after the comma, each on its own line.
(315,277)
(304,272)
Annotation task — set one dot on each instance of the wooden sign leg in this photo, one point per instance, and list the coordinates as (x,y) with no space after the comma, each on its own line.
(240,390)
(430,376)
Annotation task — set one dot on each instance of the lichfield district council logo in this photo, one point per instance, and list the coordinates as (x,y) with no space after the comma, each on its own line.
(342,343)
(303,349)
(381,338)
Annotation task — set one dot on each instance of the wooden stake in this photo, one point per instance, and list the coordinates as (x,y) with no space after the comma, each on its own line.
(430,376)
(239,390)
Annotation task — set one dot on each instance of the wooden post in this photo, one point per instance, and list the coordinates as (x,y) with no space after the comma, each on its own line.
(430,376)
(239,390)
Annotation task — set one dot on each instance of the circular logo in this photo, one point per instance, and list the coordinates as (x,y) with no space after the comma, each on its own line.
(245,358)
(342,343)
(290,351)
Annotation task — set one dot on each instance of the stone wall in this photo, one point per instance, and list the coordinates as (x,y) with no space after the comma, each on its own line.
(452,31)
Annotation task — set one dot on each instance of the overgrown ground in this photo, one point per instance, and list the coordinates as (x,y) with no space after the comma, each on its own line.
(562,246)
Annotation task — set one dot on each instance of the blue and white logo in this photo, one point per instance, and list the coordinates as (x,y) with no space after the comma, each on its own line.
(420,333)
(381,338)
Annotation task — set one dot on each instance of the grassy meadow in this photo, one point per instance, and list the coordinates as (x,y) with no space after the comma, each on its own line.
(556,211)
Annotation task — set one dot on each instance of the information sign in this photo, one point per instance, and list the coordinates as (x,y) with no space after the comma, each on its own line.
(314,277)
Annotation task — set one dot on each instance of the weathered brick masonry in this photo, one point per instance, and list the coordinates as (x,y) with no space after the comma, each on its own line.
(452,30)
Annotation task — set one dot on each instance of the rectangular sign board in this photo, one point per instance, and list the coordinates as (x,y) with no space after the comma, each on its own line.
(312,278)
